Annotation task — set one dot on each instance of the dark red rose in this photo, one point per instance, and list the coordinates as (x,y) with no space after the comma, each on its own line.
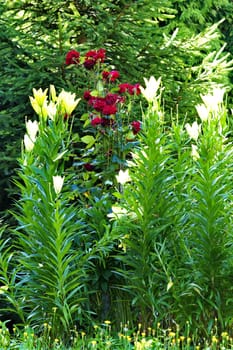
(91,54)
(134,89)
(107,122)
(109,109)
(72,57)
(89,64)
(100,55)
(105,75)
(87,95)
(92,57)
(123,87)
(98,103)
(136,127)
(88,166)
(131,89)
(113,75)
(91,100)
(111,99)
(96,121)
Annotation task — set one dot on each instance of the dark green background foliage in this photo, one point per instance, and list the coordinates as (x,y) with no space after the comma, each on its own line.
(196,15)
(35,36)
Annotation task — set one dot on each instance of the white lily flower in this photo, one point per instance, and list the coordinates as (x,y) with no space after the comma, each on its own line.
(51,110)
(150,91)
(58,182)
(193,130)
(203,112)
(123,177)
(32,129)
(213,100)
(117,212)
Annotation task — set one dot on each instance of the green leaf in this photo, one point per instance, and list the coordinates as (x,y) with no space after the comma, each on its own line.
(84,116)
(88,140)
(60,155)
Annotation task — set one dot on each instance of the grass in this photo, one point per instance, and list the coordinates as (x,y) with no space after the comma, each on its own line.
(104,338)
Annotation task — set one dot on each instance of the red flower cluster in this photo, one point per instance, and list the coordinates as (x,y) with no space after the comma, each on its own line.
(72,57)
(91,57)
(94,56)
(129,88)
(106,105)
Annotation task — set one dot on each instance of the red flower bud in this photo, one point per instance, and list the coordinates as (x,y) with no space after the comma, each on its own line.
(136,127)
(88,166)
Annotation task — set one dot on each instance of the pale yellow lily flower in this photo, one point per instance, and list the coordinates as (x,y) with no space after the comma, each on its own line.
(39,102)
(66,101)
(117,212)
(35,105)
(40,96)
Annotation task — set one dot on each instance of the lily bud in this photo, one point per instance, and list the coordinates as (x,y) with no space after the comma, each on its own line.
(58,183)
(28,143)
